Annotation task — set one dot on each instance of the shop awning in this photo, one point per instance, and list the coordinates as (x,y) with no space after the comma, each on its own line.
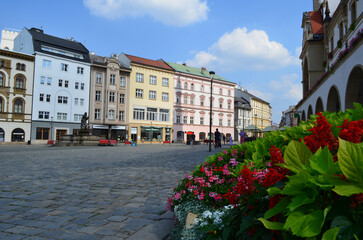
(190,133)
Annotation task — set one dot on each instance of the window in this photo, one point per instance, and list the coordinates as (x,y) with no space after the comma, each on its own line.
(185,85)
(165,97)
(61,116)
(82,86)
(80,70)
(42,134)
(139,77)
(152,95)
(97,113)
(191,120)
(112,79)
(229,93)
(229,123)
(48,98)
(77,117)
(152,79)
(43,115)
(19,82)
(353,10)
(122,98)
(76,85)
(98,77)
(42,80)
(41,97)
(62,99)
(185,119)
(18,106)
(66,83)
(192,86)
(202,88)
(2,63)
(98,96)
(1,104)
(139,93)
(76,100)
(332,43)
(122,82)
(60,82)
(139,114)
(201,102)
(185,99)
(178,85)
(165,82)
(49,81)
(2,79)
(220,104)
(81,101)
(111,97)
(202,121)
(121,116)
(220,91)
(178,99)
(47,64)
(229,105)
(220,122)
(192,101)
(64,67)
(152,114)
(178,119)
(164,115)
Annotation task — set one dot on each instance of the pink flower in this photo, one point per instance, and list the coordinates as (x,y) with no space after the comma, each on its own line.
(233,162)
(220,158)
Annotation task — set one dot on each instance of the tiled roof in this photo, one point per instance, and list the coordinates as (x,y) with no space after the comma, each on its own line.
(149,62)
(194,71)
(316,22)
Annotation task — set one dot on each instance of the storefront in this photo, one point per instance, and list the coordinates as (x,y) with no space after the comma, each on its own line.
(150,133)
(110,132)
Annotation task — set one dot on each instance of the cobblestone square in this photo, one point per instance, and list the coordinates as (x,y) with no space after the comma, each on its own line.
(91,192)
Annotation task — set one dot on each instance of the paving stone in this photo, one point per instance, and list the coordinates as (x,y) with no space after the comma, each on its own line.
(117,218)
(89,229)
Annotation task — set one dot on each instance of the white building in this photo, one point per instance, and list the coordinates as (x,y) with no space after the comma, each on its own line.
(61,83)
(242,112)
(332,62)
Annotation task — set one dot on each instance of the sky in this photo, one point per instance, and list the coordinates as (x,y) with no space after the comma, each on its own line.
(255,44)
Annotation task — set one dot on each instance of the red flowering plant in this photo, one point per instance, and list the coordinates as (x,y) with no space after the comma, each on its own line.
(306,181)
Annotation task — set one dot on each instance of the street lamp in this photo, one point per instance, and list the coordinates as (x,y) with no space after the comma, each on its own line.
(243,117)
(51,128)
(256,125)
(211,73)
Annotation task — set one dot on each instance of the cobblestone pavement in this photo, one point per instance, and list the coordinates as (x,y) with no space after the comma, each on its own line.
(90,192)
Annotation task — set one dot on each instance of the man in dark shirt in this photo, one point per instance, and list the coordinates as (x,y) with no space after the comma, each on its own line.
(217,136)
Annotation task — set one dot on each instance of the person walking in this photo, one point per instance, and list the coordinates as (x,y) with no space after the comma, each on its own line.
(230,141)
(242,135)
(217,137)
(224,139)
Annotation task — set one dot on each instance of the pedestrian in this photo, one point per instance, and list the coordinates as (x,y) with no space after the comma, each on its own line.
(224,139)
(242,135)
(230,141)
(217,137)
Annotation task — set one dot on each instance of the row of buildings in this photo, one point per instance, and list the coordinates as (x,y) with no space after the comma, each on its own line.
(48,83)
(332,62)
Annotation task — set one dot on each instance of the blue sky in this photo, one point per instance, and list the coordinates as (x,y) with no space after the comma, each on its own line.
(253,43)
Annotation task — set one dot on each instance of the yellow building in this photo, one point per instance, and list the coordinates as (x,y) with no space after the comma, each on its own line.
(150,102)
(261,112)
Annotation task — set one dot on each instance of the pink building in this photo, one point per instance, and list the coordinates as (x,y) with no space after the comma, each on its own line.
(192,104)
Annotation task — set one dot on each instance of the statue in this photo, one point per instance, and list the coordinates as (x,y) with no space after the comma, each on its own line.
(84,123)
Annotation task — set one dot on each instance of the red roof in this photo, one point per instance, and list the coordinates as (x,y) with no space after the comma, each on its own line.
(316,22)
(149,62)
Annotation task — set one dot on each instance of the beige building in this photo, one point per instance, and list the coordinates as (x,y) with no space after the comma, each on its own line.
(108,113)
(261,112)
(150,99)
(16,87)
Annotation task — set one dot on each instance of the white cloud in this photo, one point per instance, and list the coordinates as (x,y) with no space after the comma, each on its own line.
(241,49)
(263,95)
(175,12)
(289,87)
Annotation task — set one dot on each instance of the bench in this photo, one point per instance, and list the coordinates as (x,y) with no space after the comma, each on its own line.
(113,142)
(166,142)
(127,142)
(50,143)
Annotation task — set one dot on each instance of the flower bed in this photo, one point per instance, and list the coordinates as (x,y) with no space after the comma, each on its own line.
(304,182)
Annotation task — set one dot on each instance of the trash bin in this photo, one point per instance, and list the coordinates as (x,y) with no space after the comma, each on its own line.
(29,142)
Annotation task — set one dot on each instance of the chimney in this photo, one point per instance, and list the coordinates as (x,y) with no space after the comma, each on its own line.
(204,70)
(92,53)
(184,64)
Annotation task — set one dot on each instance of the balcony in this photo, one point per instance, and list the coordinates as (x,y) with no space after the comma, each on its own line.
(3,115)
(19,91)
(4,90)
(18,116)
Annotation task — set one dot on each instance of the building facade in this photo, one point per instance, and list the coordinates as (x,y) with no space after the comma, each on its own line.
(16,88)
(192,104)
(332,63)
(150,102)
(289,117)
(61,83)
(242,115)
(109,97)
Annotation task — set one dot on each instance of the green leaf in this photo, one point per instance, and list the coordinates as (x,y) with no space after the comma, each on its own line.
(322,161)
(272,191)
(350,158)
(341,222)
(348,189)
(271,225)
(306,225)
(331,234)
(299,201)
(279,208)
(296,154)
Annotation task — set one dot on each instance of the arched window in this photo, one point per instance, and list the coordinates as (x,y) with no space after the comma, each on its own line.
(19,82)
(18,135)
(178,84)
(18,106)
(202,88)
(185,85)
(2,79)
(192,86)
(1,104)
(2,135)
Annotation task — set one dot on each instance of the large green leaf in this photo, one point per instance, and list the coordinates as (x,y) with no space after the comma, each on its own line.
(296,154)
(299,201)
(322,161)
(348,189)
(271,225)
(350,158)
(331,234)
(272,191)
(306,225)
(279,208)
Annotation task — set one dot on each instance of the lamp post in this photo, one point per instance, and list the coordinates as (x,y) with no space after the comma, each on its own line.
(151,132)
(51,128)
(243,117)
(256,125)
(211,73)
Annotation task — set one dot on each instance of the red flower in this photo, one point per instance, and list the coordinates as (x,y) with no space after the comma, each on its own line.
(231,197)
(246,182)
(352,131)
(272,177)
(321,136)
(276,157)
(357,199)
